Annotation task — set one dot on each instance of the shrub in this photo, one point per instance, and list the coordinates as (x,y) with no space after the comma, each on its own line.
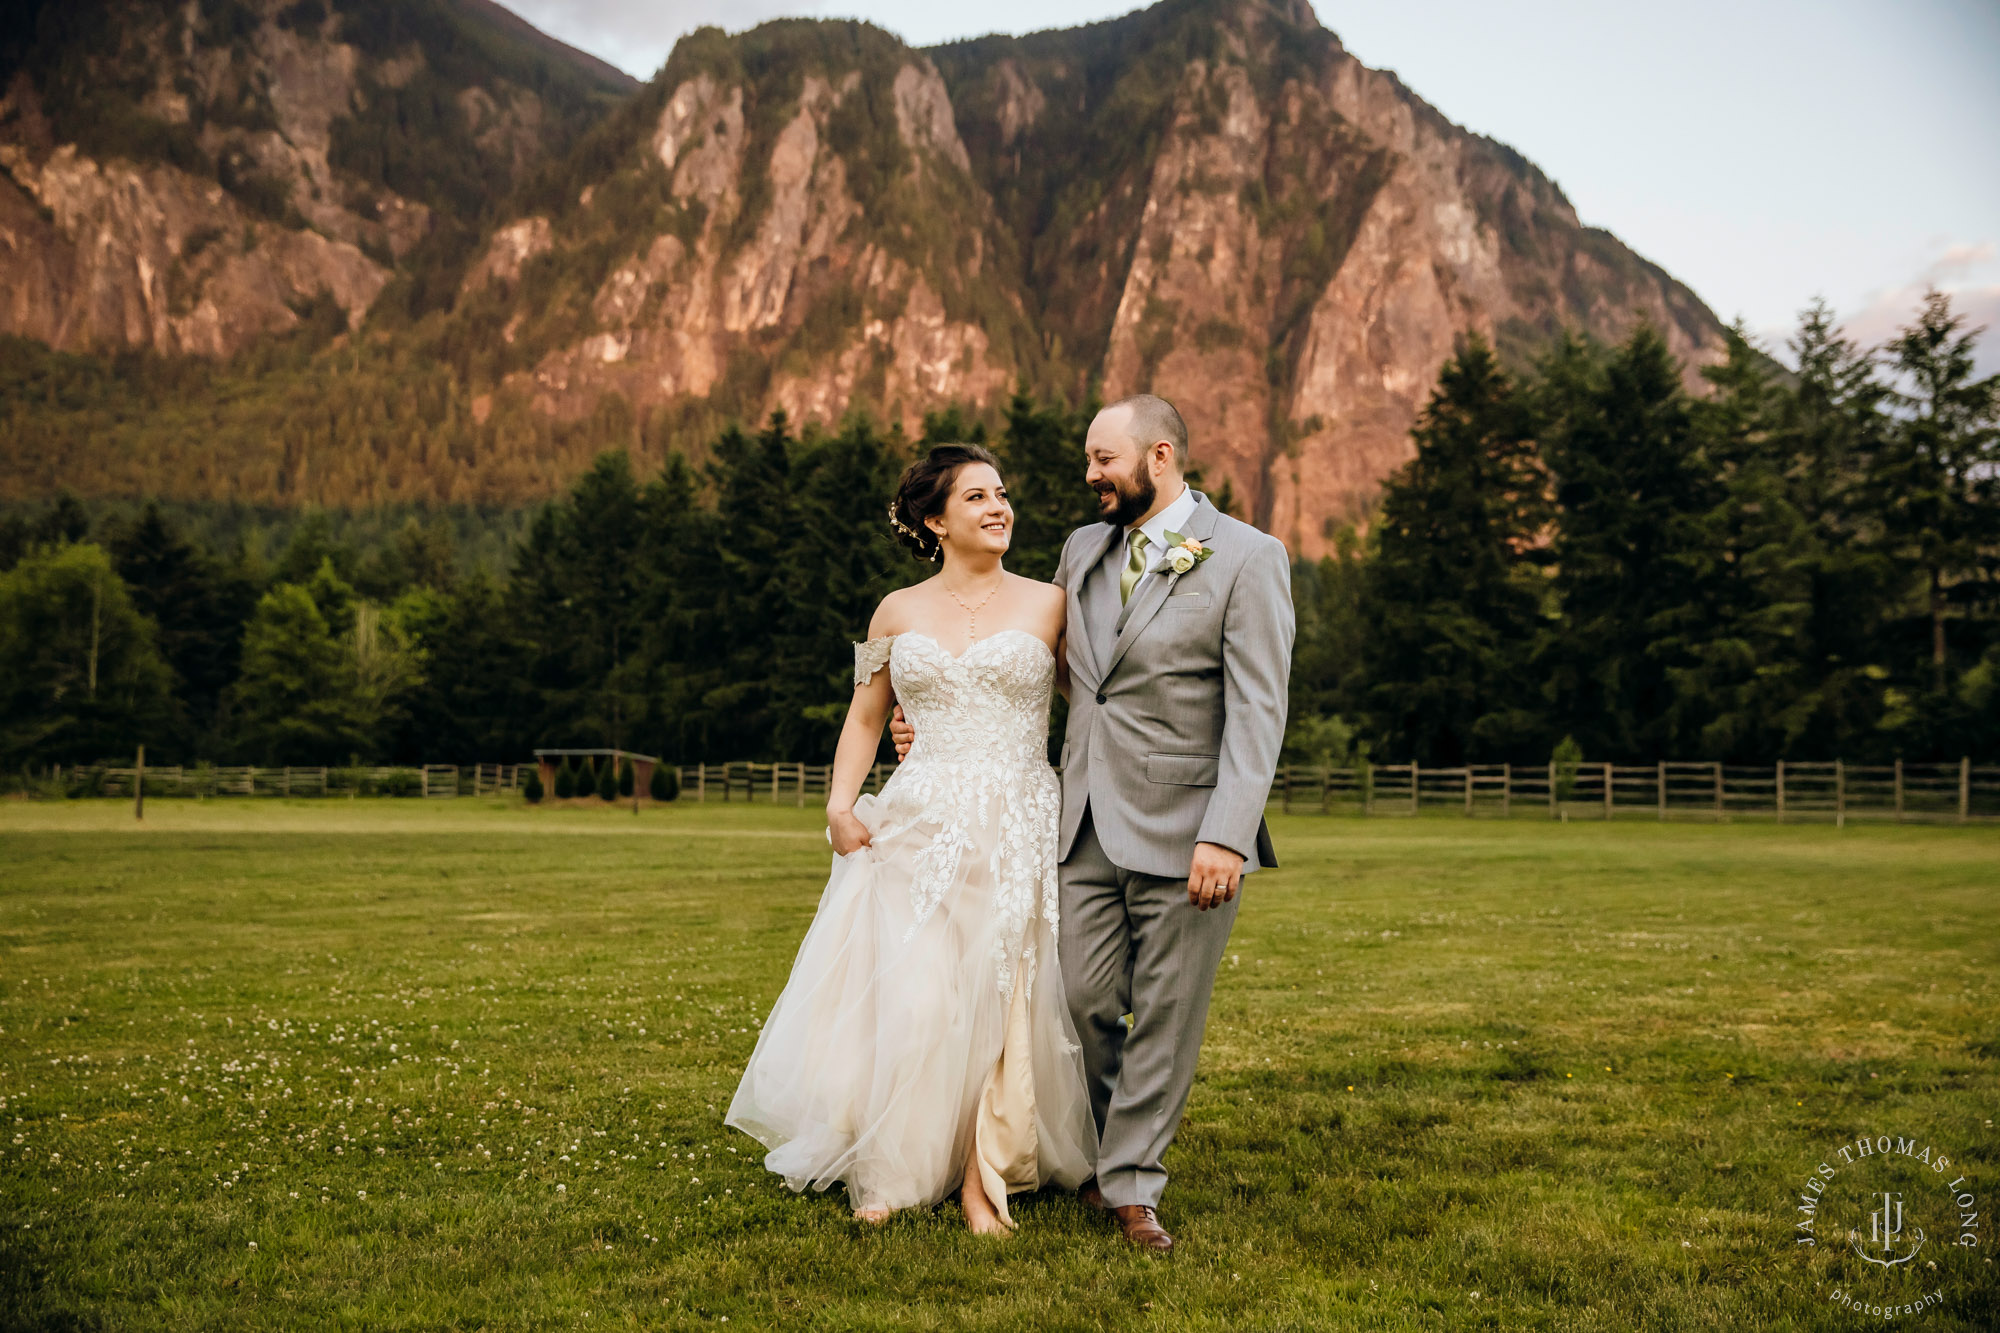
(532,788)
(565,780)
(607,782)
(400,782)
(626,777)
(1568,757)
(586,779)
(666,783)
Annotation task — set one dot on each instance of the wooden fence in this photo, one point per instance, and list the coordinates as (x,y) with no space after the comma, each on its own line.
(217,780)
(1833,792)
(1787,792)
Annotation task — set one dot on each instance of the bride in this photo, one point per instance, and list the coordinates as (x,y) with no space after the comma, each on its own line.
(922,1043)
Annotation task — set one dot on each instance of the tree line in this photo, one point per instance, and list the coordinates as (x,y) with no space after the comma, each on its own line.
(1581,556)
(1793,565)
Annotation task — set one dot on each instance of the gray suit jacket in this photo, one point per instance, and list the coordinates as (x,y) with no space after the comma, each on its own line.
(1177,699)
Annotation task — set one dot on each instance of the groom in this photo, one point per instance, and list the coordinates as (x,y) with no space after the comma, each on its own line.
(1179,651)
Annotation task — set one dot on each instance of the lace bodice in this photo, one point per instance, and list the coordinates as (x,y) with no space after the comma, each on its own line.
(989,704)
(977,772)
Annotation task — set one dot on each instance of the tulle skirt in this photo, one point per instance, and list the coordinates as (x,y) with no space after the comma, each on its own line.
(895,1048)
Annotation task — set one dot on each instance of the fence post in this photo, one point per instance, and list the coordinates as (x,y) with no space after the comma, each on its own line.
(1839,794)
(1899,790)
(1781,791)
(1663,791)
(139,786)
(1719,813)
(701,782)
(1367,788)
(1285,781)
(1552,788)
(1506,790)
(1326,791)
(1468,790)
(1964,788)
(1610,783)
(1414,782)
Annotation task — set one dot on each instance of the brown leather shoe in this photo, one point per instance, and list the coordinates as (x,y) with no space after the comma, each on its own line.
(1090,1194)
(1141,1226)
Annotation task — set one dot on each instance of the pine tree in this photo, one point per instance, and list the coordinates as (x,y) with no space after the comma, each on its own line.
(1453,592)
(1041,456)
(665,784)
(1618,437)
(1932,482)
(532,788)
(565,780)
(607,781)
(627,778)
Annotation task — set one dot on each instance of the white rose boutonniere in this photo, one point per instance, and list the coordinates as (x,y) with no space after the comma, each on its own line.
(1184,553)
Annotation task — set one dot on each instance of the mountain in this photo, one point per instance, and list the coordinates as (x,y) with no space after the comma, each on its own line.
(185,177)
(1209,199)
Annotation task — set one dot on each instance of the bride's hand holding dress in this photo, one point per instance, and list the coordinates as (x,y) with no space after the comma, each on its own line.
(923,1036)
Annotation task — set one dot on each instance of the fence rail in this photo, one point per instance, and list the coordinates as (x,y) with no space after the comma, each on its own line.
(1787,792)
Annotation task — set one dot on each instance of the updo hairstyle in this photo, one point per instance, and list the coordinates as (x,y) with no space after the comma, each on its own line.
(923,491)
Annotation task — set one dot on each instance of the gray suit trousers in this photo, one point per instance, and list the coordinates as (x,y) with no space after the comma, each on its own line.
(1132,943)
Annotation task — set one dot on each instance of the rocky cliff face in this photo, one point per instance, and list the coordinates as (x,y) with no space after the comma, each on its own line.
(1210,200)
(788,222)
(1293,249)
(187,178)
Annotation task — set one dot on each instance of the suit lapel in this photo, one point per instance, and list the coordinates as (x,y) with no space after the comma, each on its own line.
(1081,604)
(1153,590)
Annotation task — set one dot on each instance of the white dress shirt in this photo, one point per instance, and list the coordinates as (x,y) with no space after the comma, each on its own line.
(1171,519)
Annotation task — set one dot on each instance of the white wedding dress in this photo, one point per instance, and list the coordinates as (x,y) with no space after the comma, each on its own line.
(924,1014)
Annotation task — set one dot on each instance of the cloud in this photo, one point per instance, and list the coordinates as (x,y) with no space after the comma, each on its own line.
(1967,272)
(638,37)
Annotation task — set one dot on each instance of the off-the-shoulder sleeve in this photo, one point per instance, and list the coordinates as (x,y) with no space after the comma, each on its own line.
(870,656)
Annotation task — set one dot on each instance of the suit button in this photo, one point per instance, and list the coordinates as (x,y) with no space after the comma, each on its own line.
(1100,697)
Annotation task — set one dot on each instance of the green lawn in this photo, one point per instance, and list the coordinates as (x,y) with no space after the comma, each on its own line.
(394,1064)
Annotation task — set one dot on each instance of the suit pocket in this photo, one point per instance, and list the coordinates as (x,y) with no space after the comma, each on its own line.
(1188,601)
(1182,770)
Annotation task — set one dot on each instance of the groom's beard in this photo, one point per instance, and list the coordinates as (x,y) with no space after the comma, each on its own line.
(1123,504)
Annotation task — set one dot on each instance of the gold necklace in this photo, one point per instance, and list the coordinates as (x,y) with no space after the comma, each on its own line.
(972,612)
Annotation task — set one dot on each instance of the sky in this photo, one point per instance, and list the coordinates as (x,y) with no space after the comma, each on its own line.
(1765,152)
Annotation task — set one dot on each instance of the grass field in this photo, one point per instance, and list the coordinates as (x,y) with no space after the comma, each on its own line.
(393,1064)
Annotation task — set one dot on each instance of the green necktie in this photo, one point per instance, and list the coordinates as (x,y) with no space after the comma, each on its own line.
(1135,568)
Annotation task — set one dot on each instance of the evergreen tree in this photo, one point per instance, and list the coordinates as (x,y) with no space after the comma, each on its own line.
(565,780)
(1041,455)
(838,564)
(586,778)
(1453,593)
(665,784)
(607,781)
(1618,437)
(198,606)
(472,698)
(532,788)
(1933,491)
(627,778)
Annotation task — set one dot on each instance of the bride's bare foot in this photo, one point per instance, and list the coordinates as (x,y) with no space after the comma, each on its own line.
(980,1217)
(873,1216)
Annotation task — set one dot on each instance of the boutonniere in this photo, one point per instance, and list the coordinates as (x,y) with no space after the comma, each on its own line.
(1184,553)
